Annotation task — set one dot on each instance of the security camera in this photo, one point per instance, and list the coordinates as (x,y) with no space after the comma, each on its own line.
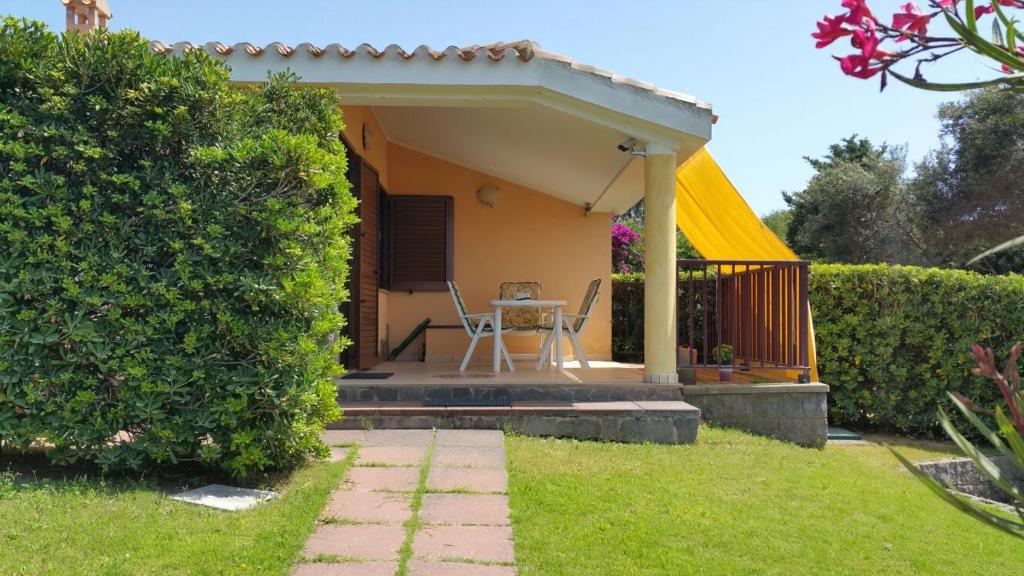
(627,145)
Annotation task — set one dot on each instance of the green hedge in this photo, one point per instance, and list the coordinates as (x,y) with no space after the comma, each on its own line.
(174,253)
(892,340)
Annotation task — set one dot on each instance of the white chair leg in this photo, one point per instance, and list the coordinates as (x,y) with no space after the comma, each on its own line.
(545,350)
(577,348)
(508,357)
(472,344)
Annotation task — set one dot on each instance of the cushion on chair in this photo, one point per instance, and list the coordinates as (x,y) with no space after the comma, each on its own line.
(526,318)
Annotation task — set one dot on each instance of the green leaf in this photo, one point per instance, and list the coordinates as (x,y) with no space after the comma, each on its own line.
(1000,248)
(956,87)
(1013,438)
(1010,24)
(984,464)
(972,22)
(997,32)
(984,47)
(962,503)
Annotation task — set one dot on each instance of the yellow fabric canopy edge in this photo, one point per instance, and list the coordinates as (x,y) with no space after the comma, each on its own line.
(720,224)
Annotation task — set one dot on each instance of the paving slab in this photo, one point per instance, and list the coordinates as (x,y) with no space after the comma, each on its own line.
(346,569)
(492,438)
(230,498)
(338,454)
(399,438)
(391,455)
(369,506)
(447,478)
(374,479)
(470,456)
(364,541)
(421,568)
(465,509)
(345,437)
(479,543)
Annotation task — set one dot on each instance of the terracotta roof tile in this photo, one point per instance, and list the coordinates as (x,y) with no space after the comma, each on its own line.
(524,50)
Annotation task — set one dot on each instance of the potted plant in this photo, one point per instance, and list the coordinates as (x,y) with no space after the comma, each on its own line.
(723,357)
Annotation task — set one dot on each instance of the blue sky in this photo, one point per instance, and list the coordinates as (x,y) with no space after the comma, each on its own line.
(778,98)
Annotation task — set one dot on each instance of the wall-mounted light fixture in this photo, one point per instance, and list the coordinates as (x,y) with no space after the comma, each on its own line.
(488,195)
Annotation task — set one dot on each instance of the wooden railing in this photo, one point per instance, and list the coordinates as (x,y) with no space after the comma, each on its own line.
(758,307)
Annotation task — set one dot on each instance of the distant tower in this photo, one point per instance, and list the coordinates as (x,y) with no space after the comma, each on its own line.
(87,15)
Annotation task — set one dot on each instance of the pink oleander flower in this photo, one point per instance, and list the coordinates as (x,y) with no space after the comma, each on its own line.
(830,29)
(980,11)
(860,65)
(911,20)
(858,12)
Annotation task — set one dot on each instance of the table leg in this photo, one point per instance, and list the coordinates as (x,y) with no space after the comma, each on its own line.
(497,339)
(559,363)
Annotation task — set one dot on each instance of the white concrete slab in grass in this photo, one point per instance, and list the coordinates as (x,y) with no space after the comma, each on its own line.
(228,498)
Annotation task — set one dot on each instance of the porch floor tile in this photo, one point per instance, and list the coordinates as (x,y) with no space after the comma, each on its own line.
(399,438)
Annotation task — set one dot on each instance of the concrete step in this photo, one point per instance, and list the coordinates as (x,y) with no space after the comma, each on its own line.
(383,392)
(659,421)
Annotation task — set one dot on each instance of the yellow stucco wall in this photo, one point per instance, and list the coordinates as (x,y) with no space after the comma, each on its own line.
(527,236)
(355,117)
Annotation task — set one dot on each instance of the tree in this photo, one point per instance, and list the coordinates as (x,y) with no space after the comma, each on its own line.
(778,222)
(854,208)
(970,192)
(882,47)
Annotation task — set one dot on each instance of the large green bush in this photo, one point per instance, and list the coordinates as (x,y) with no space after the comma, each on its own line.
(174,251)
(891,340)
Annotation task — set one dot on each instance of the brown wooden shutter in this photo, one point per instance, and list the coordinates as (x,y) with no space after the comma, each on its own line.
(421,242)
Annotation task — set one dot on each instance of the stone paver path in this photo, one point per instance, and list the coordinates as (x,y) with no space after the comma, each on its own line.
(416,502)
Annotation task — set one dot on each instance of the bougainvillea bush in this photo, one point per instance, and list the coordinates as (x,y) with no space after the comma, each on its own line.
(173,256)
(627,249)
(917,37)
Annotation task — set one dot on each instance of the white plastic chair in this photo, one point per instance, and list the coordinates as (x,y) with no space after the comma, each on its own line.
(572,326)
(477,326)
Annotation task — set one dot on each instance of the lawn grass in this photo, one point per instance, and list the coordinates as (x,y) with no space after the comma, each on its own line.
(96,527)
(738,504)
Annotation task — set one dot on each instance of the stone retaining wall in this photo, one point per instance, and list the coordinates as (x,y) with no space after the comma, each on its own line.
(793,412)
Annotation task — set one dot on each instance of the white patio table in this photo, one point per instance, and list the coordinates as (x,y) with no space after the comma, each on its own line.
(555,305)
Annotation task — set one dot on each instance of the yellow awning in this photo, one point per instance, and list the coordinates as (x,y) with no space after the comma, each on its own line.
(721,225)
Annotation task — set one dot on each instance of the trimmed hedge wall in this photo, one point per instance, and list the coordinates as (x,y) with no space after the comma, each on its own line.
(893,340)
(174,252)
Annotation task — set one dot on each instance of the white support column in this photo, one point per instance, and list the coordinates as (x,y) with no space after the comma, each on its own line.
(660,265)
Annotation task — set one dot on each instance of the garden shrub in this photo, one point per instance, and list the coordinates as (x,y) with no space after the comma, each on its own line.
(174,254)
(891,340)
